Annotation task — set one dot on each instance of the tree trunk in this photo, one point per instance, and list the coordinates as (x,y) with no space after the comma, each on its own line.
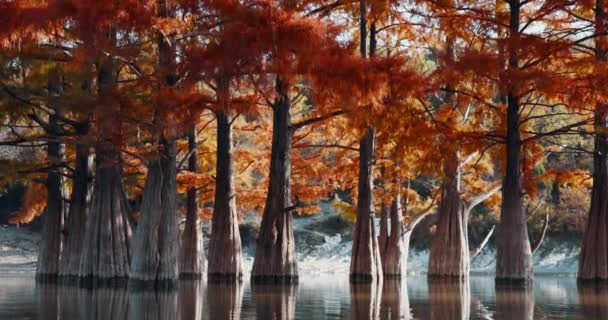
(52,233)
(384,233)
(156,263)
(449,298)
(394,262)
(192,257)
(514,303)
(225,252)
(168,272)
(593,260)
(514,255)
(365,300)
(105,250)
(156,243)
(449,255)
(225,300)
(74,234)
(275,259)
(394,304)
(365,264)
(274,301)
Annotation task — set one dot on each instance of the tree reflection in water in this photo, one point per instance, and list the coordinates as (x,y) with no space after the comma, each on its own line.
(449,298)
(153,305)
(224,300)
(514,302)
(365,300)
(274,301)
(593,299)
(190,296)
(394,303)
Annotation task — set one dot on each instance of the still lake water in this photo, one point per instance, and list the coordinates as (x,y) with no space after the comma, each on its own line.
(315,297)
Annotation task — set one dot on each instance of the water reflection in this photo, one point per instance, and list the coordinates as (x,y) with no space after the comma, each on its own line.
(395,303)
(319,297)
(514,302)
(274,301)
(449,299)
(225,300)
(190,300)
(365,300)
(593,300)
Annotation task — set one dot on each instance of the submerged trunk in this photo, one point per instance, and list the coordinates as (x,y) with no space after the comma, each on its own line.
(449,299)
(394,263)
(449,255)
(78,213)
(105,250)
(365,264)
(593,261)
(192,258)
(514,255)
(52,232)
(275,259)
(225,252)
(156,243)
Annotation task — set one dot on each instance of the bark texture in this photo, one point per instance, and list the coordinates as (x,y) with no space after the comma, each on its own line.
(365,300)
(161,229)
(225,252)
(384,233)
(449,299)
(192,257)
(275,259)
(78,213)
(274,301)
(593,261)
(52,232)
(225,300)
(365,264)
(449,255)
(156,242)
(514,255)
(105,250)
(394,261)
